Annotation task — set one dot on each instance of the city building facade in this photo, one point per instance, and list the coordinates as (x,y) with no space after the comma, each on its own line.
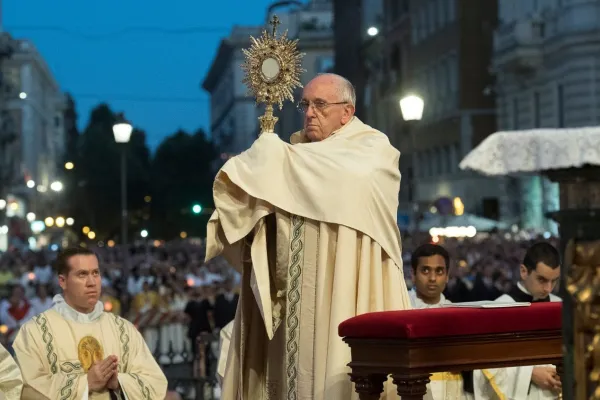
(441,51)
(348,31)
(449,67)
(31,125)
(233,114)
(547,64)
(386,47)
(312,25)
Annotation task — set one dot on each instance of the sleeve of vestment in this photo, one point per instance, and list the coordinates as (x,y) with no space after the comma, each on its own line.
(142,379)
(43,376)
(502,383)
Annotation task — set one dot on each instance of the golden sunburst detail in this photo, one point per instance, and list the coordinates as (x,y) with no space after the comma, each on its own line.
(272,67)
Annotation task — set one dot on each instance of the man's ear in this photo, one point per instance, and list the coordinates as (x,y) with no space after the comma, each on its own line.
(62,281)
(348,113)
(523,272)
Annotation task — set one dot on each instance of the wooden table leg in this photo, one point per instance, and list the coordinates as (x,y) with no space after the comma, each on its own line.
(368,386)
(411,387)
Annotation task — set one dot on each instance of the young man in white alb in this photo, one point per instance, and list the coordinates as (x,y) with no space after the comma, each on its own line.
(430,264)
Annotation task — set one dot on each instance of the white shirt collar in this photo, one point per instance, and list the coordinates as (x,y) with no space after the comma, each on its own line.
(417,303)
(522,288)
(69,313)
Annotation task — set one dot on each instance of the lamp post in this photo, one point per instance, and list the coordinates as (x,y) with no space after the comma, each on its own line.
(412,107)
(122,132)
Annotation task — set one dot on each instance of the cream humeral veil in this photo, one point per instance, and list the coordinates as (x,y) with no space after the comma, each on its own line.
(312,227)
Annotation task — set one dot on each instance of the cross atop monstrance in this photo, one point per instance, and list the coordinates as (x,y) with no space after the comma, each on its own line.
(274,22)
(273,67)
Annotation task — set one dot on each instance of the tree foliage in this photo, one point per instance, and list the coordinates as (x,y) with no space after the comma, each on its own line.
(182,176)
(161,189)
(98,175)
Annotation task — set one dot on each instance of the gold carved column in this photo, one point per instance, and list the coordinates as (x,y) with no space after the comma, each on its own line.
(579,219)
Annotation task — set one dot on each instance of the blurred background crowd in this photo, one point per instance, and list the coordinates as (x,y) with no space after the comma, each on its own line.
(171,284)
(96,151)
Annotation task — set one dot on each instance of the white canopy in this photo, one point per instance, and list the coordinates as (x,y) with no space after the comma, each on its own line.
(535,150)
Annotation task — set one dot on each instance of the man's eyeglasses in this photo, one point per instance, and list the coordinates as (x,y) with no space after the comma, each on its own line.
(318,105)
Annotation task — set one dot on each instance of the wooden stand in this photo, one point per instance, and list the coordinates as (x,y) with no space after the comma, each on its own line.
(411,361)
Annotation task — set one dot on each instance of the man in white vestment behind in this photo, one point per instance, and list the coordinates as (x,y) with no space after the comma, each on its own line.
(430,266)
(312,227)
(539,274)
(11,381)
(77,351)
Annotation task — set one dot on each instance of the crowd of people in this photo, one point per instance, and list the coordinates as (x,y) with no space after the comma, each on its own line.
(200,297)
(173,297)
(166,286)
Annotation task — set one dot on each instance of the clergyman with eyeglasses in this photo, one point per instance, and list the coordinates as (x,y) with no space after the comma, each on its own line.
(312,226)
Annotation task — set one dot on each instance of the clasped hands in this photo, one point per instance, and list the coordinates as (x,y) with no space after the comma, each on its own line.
(104,375)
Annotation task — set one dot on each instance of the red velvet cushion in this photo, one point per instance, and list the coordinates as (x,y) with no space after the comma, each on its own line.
(442,322)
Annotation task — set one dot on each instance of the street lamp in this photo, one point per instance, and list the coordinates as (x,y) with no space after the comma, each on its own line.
(372,31)
(411,107)
(122,132)
(57,186)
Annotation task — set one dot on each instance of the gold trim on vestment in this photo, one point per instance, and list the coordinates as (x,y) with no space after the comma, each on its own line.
(494,385)
(445,376)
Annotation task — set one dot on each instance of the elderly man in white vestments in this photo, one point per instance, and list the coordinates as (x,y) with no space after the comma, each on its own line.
(77,351)
(430,266)
(540,273)
(11,382)
(312,227)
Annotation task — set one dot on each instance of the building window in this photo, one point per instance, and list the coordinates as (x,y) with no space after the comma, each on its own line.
(560,102)
(441,160)
(536,110)
(451,10)
(448,158)
(430,163)
(442,77)
(441,12)
(515,114)
(457,156)
(433,25)
(325,64)
(453,72)
(414,27)
(396,59)
(423,25)
(431,90)
(396,10)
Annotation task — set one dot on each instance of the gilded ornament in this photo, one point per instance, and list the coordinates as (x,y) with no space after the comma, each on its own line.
(583,283)
(89,351)
(272,71)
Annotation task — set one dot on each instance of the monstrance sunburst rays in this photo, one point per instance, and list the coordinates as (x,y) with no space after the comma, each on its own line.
(272,69)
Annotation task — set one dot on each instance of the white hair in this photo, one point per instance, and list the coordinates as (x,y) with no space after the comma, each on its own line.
(346,89)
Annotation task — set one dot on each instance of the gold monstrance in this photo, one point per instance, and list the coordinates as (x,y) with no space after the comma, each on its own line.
(273,67)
